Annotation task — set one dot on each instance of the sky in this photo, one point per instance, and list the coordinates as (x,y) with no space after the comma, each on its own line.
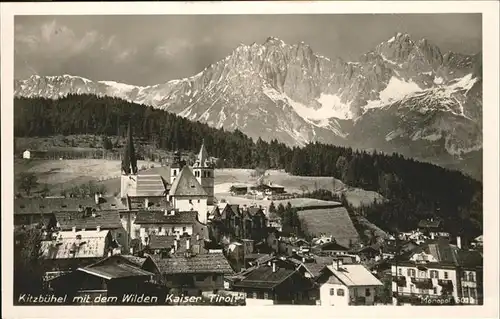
(147,50)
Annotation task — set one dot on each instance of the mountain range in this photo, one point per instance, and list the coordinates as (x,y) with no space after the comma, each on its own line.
(404,96)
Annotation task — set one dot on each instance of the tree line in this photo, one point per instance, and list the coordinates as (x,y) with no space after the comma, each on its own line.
(414,190)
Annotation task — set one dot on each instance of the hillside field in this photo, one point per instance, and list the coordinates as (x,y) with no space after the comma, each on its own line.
(64,174)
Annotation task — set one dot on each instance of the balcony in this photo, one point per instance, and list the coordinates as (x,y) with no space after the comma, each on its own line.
(446,284)
(422,283)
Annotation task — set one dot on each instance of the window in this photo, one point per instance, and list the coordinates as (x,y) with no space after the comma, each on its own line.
(367,292)
(434,274)
(266,295)
(411,272)
(214,278)
(435,290)
(471,276)
(190,201)
(332,292)
(175,172)
(340,292)
(400,272)
(184,228)
(464,275)
(445,275)
(198,201)
(473,293)
(466,292)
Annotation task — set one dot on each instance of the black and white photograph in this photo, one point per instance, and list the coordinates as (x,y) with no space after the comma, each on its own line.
(267,159)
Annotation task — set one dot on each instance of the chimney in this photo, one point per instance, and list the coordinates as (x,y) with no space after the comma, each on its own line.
(197,237)
(96,196)
(432,236)
(188,243)
(98,228)
(459,242)
(274,266)
(73,229)
(176,244)
(337,264)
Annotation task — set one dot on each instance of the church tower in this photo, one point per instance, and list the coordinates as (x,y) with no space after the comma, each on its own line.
(129,166)
(176,167)
(204,173)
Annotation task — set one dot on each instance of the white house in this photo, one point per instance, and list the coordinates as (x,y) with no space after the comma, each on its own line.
(27,154)
(438,272)
(346,285)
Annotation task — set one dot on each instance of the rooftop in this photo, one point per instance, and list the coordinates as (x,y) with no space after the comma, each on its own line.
(81,244)
(186,184)
(104,219)
(264,277)
(149,185)
(114,271)
(204,263)
(34,205)
(354,275)
(159,217)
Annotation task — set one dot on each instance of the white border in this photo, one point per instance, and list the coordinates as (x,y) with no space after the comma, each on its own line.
(489,10)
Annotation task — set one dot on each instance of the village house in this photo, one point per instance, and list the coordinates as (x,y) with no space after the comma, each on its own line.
(164,245)
(289,245)
(438,271)
(433,228)
(169,222)
(194,274)
(331,248)
(347,285)
(110,280)
(275,281)
(68,250)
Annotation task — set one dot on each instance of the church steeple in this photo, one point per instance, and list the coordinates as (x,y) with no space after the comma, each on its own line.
(201,160)
(129,159)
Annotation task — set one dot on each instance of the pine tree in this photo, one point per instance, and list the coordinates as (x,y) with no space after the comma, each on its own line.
(129,160)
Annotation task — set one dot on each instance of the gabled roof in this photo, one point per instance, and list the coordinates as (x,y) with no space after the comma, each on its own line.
(186,185)
(332,246)
(159,217)
(91,245)
(34,205)
(253,211)
(264,277)
(354,275)
(429,223)
(80,220)
(211,263)
(114,271)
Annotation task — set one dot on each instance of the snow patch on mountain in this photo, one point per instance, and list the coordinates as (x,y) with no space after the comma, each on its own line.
(331,106)
(121,86)
(398,89)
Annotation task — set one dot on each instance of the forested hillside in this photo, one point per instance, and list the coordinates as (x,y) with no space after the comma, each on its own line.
(415,190)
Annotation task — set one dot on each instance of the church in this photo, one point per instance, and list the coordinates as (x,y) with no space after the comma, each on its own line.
(186,189)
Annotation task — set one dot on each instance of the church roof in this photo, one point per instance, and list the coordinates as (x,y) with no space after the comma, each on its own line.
(202,158)
(150,185)
(186,185)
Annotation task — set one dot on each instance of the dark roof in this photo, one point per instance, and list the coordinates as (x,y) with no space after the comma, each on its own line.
(332,246)
(255,211)
(159,217)
(185,184)
(117,270)
(448,254)
(264,277)
(167,242)
(427,223)
(314,268)
(204,263)
(34,205)
(139,261)
(81,220)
